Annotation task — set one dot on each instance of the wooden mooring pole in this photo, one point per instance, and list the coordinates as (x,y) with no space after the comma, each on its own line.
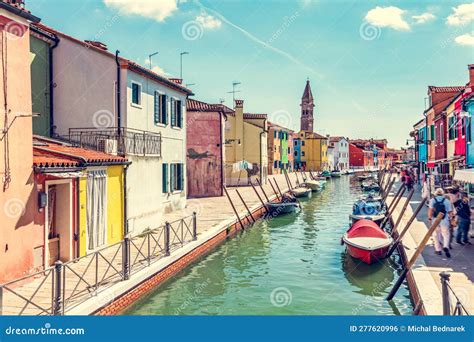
(245,204)
(297,179)
(288,180)
(260,198)
(278,187)
(233,207)
(392,208)
(415,256)
(404,208)
(273,188)
(261,188)
(402,188)
(388,188)
(407,226)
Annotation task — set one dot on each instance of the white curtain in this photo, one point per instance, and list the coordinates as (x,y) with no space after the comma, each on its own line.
(96,208)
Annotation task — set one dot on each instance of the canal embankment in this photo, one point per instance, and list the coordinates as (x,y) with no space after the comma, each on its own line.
(424,278)
(215,222)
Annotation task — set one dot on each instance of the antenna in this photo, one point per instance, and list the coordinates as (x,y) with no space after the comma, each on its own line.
(234,84)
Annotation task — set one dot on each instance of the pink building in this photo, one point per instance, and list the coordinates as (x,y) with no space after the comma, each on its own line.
(204,148)
(21,237)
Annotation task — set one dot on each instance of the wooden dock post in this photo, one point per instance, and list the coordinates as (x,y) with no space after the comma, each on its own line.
(392,208)
(233,207)
(245,204)
(273,188)
(388,188)
(404,208)
(260,198)
(261,188)
(297,179)
(402,188)
(278,187)
(407,226)
(415,256)
(290,186)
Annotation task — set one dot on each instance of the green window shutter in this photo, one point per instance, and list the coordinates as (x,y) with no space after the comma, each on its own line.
(172,177)
(165,178)
(180,114)
(156,108)
(173,112)
(164,109)
(180,176)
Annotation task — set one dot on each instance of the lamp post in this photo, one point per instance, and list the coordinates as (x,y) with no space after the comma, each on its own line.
(181,63)
(149,58)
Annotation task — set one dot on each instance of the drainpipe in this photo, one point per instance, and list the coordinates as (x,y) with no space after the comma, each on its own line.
(261,156)
(118,92)
(51,87)
(222,151)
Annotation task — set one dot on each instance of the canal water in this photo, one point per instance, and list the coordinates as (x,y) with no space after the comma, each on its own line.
(290,265)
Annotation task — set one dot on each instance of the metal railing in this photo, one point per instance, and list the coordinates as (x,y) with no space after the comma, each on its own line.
(114,140)
(452,305)
(62,287)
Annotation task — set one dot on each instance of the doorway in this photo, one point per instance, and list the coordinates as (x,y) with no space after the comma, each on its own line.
(58,222)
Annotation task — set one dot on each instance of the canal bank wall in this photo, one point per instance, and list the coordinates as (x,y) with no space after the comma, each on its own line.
(216,222)
(424,280)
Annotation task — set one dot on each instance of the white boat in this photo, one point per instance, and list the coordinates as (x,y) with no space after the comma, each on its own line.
(336,173)
(301,192)
(313,185)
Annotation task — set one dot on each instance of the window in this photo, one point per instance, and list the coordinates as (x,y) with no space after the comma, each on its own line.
(160,110)
(441,135)
(275,164)
(432,132)
(136,94)
(296,153)
(176,177)
(275,134)
(176,113)
(302,143)
(463,126)
(165,178)
(296,142)
(468,129)
(302,153)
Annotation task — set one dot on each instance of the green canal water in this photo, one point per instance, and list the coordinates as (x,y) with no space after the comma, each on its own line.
(290,265)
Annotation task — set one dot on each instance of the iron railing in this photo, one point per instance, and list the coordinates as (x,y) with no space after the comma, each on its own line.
(114,140)
(62,287)
(452,304)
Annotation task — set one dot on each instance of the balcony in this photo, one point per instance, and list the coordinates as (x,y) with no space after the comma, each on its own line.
(119,141)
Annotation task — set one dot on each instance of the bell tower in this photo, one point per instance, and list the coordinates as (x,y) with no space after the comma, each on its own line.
(307,107)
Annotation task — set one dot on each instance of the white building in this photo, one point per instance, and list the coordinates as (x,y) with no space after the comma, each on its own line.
(106,102)
(341,152)
(331,165)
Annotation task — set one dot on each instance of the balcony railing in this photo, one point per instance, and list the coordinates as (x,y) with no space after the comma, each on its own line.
(120,141)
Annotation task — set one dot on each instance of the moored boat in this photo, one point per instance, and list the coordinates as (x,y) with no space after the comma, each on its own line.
(313,185)
(368,208)
(370,186)
(301,192)
(279,208)
(366,241)
(336,173)
(325,174)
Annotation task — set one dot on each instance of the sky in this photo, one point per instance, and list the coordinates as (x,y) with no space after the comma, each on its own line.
(369,61)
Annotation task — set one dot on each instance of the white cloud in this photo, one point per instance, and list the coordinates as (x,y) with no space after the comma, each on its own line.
(423,18)
(208,21)
(387,17)
(462,15)
(466,39)
(154,9)
(159,70)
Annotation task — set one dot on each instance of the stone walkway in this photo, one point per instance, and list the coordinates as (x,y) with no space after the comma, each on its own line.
(459,266)
(34,296)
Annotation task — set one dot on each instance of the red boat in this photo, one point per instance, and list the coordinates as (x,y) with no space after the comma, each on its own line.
(366,241)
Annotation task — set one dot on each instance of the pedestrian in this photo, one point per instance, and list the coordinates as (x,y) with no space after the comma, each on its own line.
(440,204)
(408,181)
(463,213)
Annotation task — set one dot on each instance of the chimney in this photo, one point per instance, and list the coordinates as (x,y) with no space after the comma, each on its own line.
(176,80)
(471,74)
(239,130)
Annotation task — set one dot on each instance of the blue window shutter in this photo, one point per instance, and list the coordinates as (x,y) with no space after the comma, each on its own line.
(165,178)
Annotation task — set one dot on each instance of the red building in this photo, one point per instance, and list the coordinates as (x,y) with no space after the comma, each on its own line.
(440,140)
(205,154)
(360,158)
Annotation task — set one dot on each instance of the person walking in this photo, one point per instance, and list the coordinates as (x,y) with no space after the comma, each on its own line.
(463,213)
(440,204)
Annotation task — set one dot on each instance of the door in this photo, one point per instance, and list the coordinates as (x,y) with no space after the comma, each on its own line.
(96,209)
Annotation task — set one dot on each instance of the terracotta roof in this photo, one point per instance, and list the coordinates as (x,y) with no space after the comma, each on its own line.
(314,135)
(199,106)
(448,89)
(271,124)
(18,7)
(53,153)
(254,116)
(336,139)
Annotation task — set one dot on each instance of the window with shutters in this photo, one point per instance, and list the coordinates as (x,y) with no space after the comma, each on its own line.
(177,177)
(165,178)
(176,113)
(136,94)
(160,110)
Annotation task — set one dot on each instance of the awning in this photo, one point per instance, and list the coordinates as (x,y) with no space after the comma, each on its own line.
(75,174)
(466,176)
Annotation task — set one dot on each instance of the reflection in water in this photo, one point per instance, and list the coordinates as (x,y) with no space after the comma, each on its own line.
(299,253)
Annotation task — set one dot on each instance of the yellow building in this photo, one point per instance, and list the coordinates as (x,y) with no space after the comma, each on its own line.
(245,139)
(314,151)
